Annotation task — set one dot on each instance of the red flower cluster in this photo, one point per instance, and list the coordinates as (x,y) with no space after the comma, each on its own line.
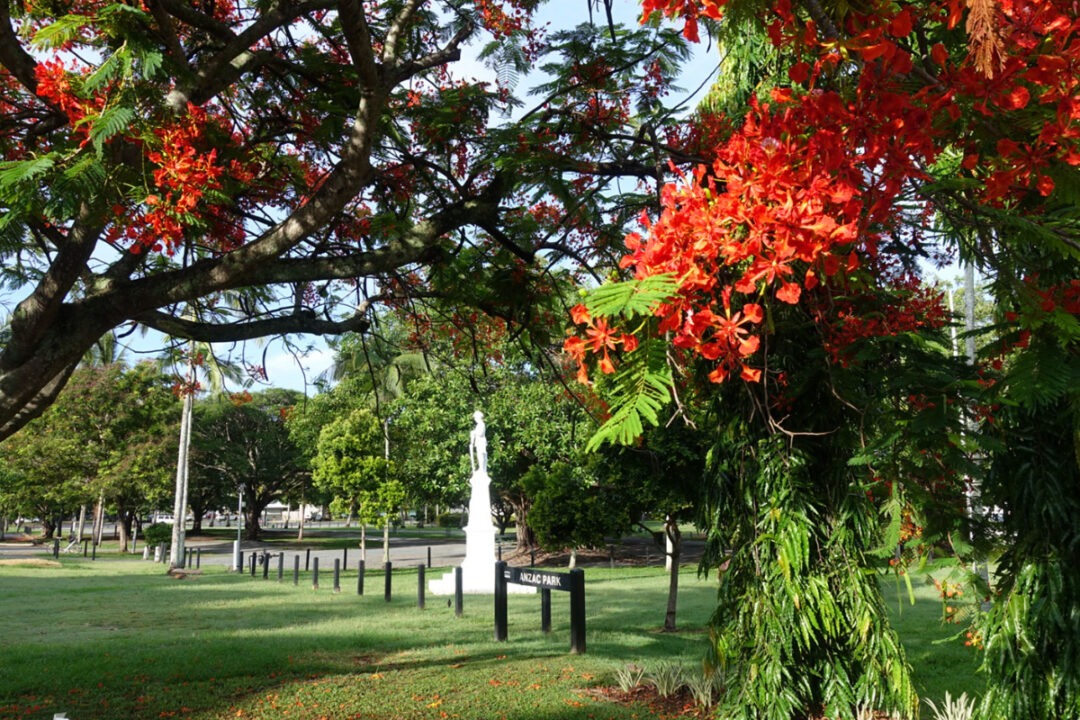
(600,338)
(186,179)
(802,192)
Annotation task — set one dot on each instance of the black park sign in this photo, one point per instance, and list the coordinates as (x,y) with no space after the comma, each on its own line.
(572,582)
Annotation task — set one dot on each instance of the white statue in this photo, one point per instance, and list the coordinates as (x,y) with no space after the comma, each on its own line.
(478,444)
(478,567)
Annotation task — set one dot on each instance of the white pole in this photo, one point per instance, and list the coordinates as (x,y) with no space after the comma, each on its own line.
(239,526)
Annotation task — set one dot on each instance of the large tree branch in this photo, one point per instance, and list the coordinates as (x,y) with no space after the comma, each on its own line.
(209,276)
(237,57)
(12,56)
(450,53)
(393,34)
(303,322)
(358,40)
(38,311)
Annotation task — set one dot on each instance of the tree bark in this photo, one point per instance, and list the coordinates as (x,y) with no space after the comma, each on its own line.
(674,544)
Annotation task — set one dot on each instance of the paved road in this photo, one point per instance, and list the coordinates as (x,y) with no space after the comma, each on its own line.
(404,552)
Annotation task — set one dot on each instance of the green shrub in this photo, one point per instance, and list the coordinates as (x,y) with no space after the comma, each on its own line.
(449,520)
(157,534)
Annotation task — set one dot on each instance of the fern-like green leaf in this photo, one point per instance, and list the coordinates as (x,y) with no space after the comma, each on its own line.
(61,32)
(109,123)
(641,388)
(106,71)
(14,172)
(631,298)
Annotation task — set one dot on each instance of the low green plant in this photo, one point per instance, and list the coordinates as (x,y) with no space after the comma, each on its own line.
(667,677)
(704,686)
(629,676)
(960,708)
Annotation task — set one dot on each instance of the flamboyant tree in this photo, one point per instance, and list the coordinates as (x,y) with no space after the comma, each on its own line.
(782,274)
(242,169)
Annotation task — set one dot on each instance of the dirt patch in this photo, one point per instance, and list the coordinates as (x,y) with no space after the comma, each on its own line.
(631,551)
(30,562)
(680,704)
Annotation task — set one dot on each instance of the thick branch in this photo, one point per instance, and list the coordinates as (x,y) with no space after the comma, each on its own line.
(208,276)
(303,322)
(358,39)
(448,54)
(393,35)
(39,310)
(187,14)
(12,56)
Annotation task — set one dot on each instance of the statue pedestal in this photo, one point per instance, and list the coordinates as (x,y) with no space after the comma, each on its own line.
(478,567)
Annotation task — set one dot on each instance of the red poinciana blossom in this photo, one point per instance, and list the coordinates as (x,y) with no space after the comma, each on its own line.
(802,192)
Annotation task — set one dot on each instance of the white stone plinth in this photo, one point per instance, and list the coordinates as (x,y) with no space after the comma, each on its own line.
(478,567)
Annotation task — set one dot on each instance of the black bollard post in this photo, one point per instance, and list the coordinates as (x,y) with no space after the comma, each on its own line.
(280,566)
(296,570)
(56,548)
(93,551)
(387,579)
(307,560)
(545,610)
(240,562)
(360,578)
(500,602)
(499,551)
(315,574)
(577,611)
(345,557)
(420,586)
(429,556)
(459,595)
(266,565)
(85,547)
(532,557)
(253,562)
(198,558)
(337,575)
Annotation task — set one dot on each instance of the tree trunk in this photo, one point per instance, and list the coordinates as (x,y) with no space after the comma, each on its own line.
(176,550)
(251,524)
(674,549)
(82,522)
(124,521)
(573,558)
(386,541)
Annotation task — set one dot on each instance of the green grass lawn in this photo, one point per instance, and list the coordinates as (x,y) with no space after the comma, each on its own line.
(117,638)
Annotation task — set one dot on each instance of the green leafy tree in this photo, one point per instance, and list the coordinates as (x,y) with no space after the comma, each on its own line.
(532,422)
(569,508)
(110,437)
(351,467)
(247,445)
